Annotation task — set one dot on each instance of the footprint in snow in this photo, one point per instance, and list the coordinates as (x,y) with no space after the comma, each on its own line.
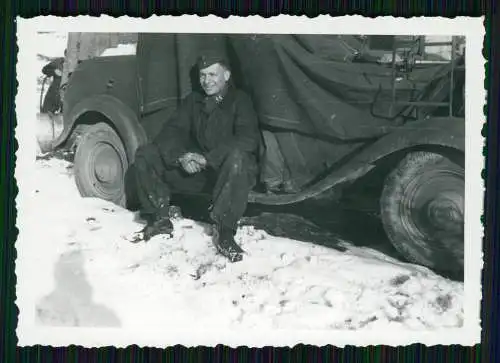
(93,224)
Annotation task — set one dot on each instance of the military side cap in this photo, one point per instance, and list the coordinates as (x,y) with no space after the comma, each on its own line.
(208,58)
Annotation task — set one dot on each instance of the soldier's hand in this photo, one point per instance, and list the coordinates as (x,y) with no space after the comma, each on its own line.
(192,167)
(189,164)
(199,159)
(186,163)
(198,166)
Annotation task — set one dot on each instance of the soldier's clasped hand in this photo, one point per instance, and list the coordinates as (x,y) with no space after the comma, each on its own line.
(193,162)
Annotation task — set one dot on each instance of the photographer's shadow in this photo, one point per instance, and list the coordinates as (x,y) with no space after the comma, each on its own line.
(70,304)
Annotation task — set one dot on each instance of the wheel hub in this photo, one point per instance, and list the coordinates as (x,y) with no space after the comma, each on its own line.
(107,164)
(439,206)
(445,211)
(105,173)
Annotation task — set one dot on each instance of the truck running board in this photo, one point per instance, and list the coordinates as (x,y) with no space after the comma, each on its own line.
(337,177)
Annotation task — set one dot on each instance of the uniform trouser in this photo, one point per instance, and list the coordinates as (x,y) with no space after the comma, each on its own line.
(229,185)
(275,170)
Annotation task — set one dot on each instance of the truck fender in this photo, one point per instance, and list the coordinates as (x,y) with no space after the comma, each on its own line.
(121,117)
(442,132)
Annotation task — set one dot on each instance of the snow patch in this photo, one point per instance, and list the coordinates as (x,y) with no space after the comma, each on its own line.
(120,49)
(280,284)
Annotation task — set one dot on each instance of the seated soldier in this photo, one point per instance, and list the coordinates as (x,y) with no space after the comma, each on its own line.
(211,144)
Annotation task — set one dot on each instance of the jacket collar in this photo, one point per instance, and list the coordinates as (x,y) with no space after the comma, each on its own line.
(223,100)
(228,98)
(220,97)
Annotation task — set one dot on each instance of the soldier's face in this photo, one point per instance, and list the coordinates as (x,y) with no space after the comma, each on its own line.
(214,78)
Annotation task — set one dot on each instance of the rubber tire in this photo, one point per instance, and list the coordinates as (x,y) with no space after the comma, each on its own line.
(444,254)
(95,137)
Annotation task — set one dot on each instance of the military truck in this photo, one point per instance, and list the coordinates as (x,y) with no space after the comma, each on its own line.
(376,112)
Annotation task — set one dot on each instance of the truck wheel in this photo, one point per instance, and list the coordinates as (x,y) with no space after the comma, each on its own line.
(422,209)
(100,164)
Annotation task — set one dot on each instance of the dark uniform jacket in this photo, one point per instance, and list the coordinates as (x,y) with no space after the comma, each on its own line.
(52,101)
(210,128)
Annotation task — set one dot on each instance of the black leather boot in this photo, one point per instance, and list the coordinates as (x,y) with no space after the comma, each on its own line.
(227,246)
(158,226)
(161,222)
(155,225)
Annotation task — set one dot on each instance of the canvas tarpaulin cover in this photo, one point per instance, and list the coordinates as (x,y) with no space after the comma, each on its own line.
(319,103)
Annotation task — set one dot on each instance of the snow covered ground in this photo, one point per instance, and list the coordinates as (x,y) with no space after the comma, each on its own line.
(93,276)
(88,274)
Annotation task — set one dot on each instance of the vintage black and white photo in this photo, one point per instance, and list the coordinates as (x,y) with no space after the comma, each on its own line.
(249,185)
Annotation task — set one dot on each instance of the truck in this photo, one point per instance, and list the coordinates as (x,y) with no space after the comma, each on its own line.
(376,112)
